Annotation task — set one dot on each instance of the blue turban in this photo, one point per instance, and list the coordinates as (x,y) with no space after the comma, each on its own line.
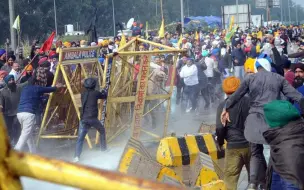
(2,51)
(8,78)
(265,56)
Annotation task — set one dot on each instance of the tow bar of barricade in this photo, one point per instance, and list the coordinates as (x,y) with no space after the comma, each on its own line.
(15,164)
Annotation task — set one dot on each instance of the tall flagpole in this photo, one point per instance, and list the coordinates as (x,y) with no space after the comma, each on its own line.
(114,25)
(12,19)
(182,15)
(55,14)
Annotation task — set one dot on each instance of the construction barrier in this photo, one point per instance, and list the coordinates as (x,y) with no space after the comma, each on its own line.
(14,164)
(181,151)
(136,161)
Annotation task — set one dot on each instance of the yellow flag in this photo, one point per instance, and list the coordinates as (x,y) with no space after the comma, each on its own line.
(147,27)
(260,35)
(196,36)
(180,41)
(214,31)
(231,23)
(16,24)
(123,40)
(161,32)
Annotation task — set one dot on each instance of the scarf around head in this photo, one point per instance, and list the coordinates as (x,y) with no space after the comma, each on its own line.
(279,113)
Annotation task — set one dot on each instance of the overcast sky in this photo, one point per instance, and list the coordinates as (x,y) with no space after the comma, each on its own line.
(300,2)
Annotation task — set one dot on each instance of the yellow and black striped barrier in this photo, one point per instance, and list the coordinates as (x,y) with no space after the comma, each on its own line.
(181,151)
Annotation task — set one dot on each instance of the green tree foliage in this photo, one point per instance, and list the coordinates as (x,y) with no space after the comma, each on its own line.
(37,16)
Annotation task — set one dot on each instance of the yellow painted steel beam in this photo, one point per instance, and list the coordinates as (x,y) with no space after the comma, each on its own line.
(58,137)
(152,52)
(127,45)
(75,62)
(132,98)
(73,175)
(156,44)
(79,49)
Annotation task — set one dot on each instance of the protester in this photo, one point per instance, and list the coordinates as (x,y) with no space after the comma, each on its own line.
(2,57)
(288,73)
(155,86)
(237,153)
(9,100)
(27,75)
(3,74)
(10,61)
(89,116)
(190,77)
(262,88)
(15,71)
(27,108)
(286,141)
(238,58)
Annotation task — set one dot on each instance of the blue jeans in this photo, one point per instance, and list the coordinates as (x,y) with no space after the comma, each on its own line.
(190,93)
(239,72)
(279,183)
(84,127)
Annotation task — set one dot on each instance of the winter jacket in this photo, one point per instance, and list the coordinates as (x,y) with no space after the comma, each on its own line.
(189,74)
(262,88)
(31,97)
(287,151)
(233,133)
(89,101)
(9,100)
(239,55)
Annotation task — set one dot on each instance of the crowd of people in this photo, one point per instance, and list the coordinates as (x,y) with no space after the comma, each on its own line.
(254,78)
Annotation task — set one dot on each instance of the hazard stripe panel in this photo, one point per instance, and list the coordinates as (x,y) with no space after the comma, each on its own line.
(182,151)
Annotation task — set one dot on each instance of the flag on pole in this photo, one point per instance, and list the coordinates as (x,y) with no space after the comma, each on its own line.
(161,32)
(231,23)
(147,28)
(16,24)
(196,36)
(123,40)
(47,44)
(180,41)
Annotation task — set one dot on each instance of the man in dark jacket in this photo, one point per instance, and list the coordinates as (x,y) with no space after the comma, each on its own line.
(203,81)
(89,116)
(286,141)
(238,58)
(27,108)
(237,152)
(9,100)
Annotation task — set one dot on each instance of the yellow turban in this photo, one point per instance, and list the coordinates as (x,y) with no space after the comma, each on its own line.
(67,44)
(231,84)
(249,65)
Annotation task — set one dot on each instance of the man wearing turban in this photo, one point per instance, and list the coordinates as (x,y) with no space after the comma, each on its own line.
(262,88)
(9,100)
(237,153)
(2,57)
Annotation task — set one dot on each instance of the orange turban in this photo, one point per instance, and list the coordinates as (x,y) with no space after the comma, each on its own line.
(29,68)
(249,65)
(231,84)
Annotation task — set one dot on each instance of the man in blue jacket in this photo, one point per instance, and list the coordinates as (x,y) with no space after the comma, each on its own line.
(27,108)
